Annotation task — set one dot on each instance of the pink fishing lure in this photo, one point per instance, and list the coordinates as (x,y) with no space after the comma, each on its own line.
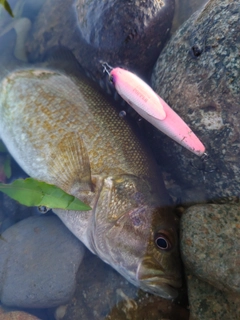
(154,109)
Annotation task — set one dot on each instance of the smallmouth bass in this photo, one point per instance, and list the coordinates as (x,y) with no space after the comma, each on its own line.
(62,130)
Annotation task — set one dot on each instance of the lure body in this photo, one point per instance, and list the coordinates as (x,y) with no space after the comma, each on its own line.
(154,109)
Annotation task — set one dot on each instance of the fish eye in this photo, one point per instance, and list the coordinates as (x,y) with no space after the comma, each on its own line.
(162,242)
(43,209)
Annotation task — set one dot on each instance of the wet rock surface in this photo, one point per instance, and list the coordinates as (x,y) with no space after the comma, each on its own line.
(16,315)
(209,303)
(101,293)
(210,247)
(197,73)
(40,258)
(12,212)
(113,31)
(210,244)
(148,307)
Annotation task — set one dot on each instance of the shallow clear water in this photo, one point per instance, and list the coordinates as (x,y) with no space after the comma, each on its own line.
(99,287)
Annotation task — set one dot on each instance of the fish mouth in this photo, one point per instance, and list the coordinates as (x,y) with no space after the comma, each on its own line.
(158,286)
(158,281)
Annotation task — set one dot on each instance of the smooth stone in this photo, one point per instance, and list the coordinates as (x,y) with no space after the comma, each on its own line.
(95,293)
(12,212)
(123,33)
(210,244)
(16,315)
(39,262)
(129,33)
(102,294)
(24,12)
(209,303)
(198,74)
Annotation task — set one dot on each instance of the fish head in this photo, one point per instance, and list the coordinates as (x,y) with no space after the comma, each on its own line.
(138,237)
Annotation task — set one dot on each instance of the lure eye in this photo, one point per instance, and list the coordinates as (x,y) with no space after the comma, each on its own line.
(162,242)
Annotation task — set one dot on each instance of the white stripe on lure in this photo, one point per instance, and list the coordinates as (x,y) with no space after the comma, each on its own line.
(153,108)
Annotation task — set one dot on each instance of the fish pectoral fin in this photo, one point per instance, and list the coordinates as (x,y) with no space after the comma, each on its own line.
(69,165)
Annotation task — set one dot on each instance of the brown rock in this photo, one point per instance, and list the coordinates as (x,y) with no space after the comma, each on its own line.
(16,315)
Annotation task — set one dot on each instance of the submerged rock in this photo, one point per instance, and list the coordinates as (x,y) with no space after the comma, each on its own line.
(128,33)
(209,303)
(39,262)
(210,247)
(95,292)
(102,294)
(24,12)
(16,315)
(210,244)
(148,307)
(12,212)
(198,75)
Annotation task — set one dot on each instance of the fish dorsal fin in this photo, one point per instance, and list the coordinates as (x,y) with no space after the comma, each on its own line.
(69,165)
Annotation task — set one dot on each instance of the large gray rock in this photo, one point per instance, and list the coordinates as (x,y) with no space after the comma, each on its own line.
(198,74)
(128,33)
(210,244)
(39,262)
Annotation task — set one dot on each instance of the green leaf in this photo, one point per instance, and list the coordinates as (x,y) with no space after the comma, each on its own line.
(7,7)
(31,192)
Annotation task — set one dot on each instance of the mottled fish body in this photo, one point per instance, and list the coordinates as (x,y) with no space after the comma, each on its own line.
(154,109)
(61,130)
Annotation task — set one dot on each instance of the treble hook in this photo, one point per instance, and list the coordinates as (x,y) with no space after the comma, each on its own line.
(204,157)
(106,67)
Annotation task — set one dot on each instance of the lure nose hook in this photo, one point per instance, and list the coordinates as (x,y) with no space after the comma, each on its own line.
(106,67)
